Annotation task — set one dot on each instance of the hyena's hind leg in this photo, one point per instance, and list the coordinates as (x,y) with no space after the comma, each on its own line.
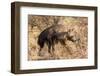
(40,49)
(49,47)
(39,52)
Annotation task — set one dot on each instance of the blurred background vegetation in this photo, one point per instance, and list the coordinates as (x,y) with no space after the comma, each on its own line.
(37,23)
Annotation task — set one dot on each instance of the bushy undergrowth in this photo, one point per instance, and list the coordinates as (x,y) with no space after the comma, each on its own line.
(36,24)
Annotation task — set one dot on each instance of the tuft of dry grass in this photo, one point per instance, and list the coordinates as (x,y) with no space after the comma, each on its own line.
(36,24)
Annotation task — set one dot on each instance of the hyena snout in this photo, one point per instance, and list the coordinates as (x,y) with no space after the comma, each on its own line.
(73,36)
(75,39)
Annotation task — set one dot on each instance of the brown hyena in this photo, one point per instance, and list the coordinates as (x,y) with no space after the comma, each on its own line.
(51,37)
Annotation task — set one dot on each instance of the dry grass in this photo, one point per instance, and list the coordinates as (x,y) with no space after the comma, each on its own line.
(73,51)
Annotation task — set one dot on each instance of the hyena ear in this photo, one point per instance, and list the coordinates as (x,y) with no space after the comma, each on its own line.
(70,30)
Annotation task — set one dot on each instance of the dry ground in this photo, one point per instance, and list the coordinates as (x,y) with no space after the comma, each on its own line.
(36,24)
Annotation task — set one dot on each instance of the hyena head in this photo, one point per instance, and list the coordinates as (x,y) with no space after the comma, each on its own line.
(73,36)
